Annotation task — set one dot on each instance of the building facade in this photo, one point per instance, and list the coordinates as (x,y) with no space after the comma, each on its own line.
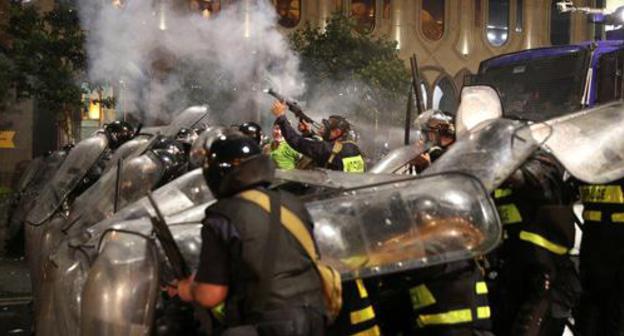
(449,37)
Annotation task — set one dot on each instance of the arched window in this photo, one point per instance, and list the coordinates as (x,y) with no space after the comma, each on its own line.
(432,19)
(519,15)
(338,5)
(207,8)
(289,12)
(497,27)
(444,96)
(363,12)
(387,9)
(559,26)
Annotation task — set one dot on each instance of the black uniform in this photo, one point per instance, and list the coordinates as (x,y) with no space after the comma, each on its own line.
(357,316)
(235,237)
(535,287)
(601,311)
(334,155)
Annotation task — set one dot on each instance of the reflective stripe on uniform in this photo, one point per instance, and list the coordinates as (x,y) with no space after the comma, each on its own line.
(592,215)
(361,289)
(374,331)
(602,194)
(450,317)
(353,164)
(483,312)
(617,217)
(500,193)
(481,287)
(421,297)
(542,242)
(362,315)
(509,214)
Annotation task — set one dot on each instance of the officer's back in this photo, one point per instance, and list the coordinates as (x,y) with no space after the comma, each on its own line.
(249,260)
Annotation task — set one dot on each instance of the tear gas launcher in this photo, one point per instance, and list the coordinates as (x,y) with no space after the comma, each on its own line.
(176,260)
(294,107)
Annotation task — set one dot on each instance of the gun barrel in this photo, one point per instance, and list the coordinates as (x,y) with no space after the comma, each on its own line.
(294,108)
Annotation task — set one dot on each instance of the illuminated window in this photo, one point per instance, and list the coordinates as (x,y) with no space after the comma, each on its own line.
(363,12)
(289,12)
(497,28)
(432,19)
(559,26)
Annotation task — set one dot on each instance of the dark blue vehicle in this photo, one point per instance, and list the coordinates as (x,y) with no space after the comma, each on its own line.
(539,84)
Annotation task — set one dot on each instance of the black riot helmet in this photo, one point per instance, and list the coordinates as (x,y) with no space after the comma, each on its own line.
(252,130)
(118,132)
(234,163)
(335,122)
(186,136)
(172,156)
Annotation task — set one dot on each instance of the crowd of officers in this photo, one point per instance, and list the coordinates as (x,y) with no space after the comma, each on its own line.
(258,259)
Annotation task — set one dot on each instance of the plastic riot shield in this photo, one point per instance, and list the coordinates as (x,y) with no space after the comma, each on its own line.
(332,179)
(121,289)
(493,151)
(193,116)
(478,103)
(39,172)
(137,176)
(405,225)
(399,158)
(185,228)
(176,196)
(589,143)
(128,150)
(75,167)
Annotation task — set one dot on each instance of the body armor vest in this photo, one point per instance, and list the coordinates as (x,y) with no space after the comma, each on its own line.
(295,280)
(347,157)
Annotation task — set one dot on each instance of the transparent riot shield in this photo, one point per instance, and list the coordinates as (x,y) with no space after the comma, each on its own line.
(405,225)
(399,158)
(120,292)
(332,179)
(128,150)
(191,117)
(78,162)
(137,177)
(176,196)
(74,265)
(589,143)
(493,151)
(478,103)
(34,168)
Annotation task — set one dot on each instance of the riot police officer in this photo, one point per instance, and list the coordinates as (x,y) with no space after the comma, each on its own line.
(118,132)
(533,277)
(337,153)
(249,260)
(448,299)
(601,309)
(252,130)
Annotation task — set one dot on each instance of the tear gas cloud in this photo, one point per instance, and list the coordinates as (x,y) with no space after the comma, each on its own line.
(158,55)
(165,59)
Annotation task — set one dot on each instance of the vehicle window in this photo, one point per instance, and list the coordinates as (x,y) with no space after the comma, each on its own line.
(609,77)
(538,89)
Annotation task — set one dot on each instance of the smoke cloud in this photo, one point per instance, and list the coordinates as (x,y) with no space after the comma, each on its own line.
(164,59)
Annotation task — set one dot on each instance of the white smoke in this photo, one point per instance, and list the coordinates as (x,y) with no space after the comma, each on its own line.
(233,55)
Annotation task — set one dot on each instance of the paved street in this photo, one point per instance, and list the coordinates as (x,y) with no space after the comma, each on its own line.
(15,297)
